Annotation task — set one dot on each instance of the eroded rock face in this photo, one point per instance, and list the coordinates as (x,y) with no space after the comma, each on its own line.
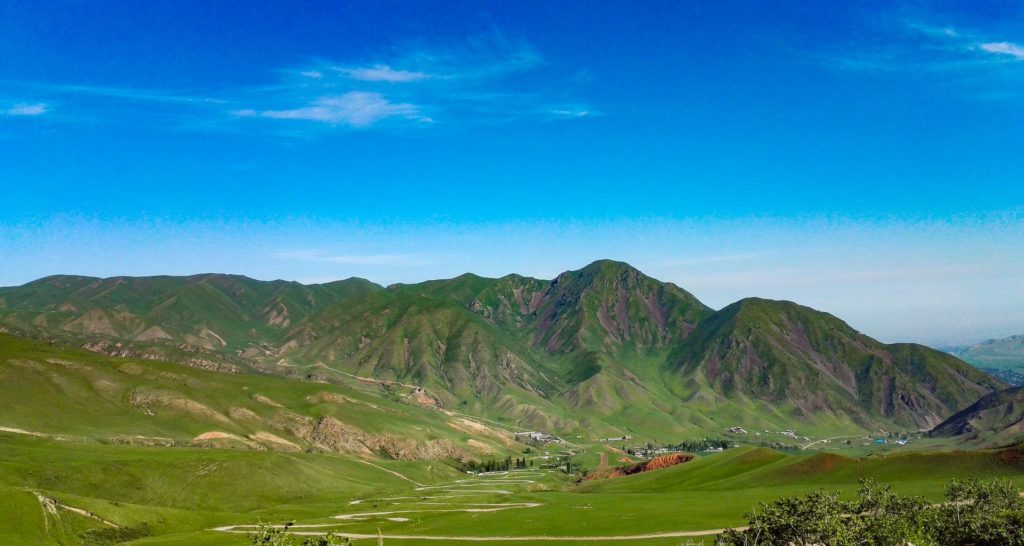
(330,434)
(406,449)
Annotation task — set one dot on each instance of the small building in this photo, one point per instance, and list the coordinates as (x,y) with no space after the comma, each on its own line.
(536,437)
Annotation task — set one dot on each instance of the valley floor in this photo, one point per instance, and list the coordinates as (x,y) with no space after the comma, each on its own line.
(59,492)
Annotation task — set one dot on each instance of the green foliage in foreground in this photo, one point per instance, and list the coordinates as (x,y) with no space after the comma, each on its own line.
(976,513)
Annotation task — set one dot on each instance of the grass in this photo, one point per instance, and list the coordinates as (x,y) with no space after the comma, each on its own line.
(180,493)
(89,397)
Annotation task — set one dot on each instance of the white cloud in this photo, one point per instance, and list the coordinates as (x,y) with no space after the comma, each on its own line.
(355,108)
(26,109)
(383,73)
(315,74)
(1004,48)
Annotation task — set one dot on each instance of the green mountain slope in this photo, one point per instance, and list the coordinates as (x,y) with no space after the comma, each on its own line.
(226,313)
(787,355)
(59,393)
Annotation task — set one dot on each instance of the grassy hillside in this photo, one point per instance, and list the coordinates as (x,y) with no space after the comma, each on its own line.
(751,468)
(169,490)
(56,392)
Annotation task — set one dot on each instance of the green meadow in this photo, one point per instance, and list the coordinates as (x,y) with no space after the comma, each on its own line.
(177,496)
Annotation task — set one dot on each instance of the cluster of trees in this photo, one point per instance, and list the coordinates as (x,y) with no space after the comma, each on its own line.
(495,465)
(707,444)
(779,446)
(693,446)
(975,513)
(566,465)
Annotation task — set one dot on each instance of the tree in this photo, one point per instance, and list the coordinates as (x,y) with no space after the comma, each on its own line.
(980,514)
(814,519)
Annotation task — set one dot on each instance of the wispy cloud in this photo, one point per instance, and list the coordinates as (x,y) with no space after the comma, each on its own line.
(913,46)
(123,93)
(914,25)
(474,81)
(355,108)
(27,109)
(480,80)
(1004,48)
(383,73)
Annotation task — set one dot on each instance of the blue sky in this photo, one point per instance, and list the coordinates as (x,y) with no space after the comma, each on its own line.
(865,159)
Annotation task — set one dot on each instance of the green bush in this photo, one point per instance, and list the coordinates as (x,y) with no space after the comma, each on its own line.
(975,514)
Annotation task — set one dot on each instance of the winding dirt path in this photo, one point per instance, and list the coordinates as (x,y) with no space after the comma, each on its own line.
(533,538)
(365,379)
(51,506)
(461,488)
(392,472)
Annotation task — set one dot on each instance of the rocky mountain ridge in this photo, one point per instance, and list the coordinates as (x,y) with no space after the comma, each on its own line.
(604,347)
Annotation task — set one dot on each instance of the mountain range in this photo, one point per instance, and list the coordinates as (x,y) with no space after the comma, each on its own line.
(600,350)
(1003,354)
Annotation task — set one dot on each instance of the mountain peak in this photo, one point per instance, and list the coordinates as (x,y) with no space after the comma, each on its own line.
(612,304)
(606,264)
(606,267)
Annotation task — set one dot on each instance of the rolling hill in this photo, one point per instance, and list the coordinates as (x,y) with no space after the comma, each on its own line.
(996,419)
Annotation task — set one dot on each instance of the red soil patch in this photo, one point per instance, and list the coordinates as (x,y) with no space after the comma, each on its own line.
(656,463)
(1013,456)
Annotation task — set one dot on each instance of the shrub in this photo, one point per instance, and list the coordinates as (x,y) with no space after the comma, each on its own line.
(975,513)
